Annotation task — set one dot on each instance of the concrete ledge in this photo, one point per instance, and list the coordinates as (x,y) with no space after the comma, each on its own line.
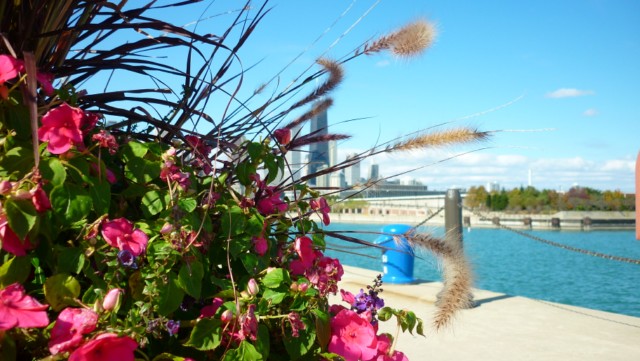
(504,327)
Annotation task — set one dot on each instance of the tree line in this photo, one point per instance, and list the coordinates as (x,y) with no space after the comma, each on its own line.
(539,201)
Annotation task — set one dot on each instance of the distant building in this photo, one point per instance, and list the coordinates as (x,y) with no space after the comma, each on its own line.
(374,172)
(333,153)
(318,152)
(493,187)
(352,174)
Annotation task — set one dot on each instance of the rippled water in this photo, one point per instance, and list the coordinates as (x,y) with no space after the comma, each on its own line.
(510,263)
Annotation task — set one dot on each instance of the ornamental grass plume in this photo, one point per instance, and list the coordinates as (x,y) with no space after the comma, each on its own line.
(409,41)
(456,274)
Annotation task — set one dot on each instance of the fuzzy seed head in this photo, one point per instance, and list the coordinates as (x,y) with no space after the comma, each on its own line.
(412,39)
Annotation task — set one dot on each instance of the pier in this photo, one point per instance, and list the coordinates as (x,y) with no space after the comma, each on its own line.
(503,327)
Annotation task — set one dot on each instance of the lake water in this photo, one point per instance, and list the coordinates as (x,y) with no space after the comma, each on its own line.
(509,263)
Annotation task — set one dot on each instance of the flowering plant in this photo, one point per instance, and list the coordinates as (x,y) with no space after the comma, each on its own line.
(118,244)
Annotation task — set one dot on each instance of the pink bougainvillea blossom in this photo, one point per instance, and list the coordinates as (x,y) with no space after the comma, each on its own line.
(40,199)
(282,135)
(325,274)
(322,206)
(352,337)
(201,153)
(45,80)
(210,310)
(10,240)
(296,324)
(17,309)
(106,347)
(260,245)
(106,140)
(9,68)
(121,234)
(248,324)
(61,128)
(267,200)
(171,173)
(70,327)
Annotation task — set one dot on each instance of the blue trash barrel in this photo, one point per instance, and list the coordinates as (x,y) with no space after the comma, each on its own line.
(397,259)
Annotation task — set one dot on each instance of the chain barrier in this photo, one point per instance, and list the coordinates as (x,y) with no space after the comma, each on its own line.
(428,218)
(583,313)
(560,245)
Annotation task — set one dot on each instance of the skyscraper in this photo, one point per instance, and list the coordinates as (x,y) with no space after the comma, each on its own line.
(318,152)
(352,174)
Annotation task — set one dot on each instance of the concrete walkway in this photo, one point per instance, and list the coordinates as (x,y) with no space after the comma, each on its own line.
(504,327)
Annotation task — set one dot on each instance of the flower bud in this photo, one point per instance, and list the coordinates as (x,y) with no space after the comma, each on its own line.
(166,228)
(5,187)
(226,316)
(252,287)
(112,299)
(303,287)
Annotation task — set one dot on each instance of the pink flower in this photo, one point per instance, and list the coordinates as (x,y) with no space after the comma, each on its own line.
(321,205)
(267,200)
(210,310)
(9,68)
(304,248)
(61,128)
(106,140)
(111,299)
(352,337)
(296,324)
(171,172)
(248,324)
(45,80)
(260,245)
(20,310)
(39,198)
(5,187)
(120,233)
(384,346)
(201,150)
(106,347)
(10,240)
(252,287)
(68,330)
(282,135)
(348,297)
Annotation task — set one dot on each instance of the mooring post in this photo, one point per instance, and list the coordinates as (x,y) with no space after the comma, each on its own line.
(453,228)
(453,217)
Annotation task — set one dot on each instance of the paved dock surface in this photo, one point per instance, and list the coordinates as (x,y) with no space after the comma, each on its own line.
(504,327)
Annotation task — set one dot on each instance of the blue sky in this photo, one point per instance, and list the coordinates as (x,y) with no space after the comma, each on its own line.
(567,70)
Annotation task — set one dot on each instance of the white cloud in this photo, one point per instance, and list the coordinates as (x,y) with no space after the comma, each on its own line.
(619,165)
(590,112)
(568,93)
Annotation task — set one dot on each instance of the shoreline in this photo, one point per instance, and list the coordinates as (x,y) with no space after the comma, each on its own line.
(566,220)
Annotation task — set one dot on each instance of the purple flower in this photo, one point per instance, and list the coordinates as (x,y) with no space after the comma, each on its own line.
(173,327)
(127,259)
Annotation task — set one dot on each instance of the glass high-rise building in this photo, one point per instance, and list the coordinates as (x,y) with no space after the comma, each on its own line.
(318,152)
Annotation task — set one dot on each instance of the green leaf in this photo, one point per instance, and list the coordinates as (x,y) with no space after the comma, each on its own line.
(53,170)
(142,170)
(232,222)
(407,320)
(70,203)
(249,261)
(15,270)
(60,290)
(154,202)
(420,328)
(245,352)
(21,215)
(255,151)
(323,327)
(206,334)
(101,196)
(168,357)
(133,149)
(385,313)
(275,278)
(301,345)
(187,204)
(170,295)
(16,162)
(273,296)
(243,171)
(190,278)
(70,260)
(262,343)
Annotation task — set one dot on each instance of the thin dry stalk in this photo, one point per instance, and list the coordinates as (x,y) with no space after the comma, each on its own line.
(443,138)
(457,277)
(318,108)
